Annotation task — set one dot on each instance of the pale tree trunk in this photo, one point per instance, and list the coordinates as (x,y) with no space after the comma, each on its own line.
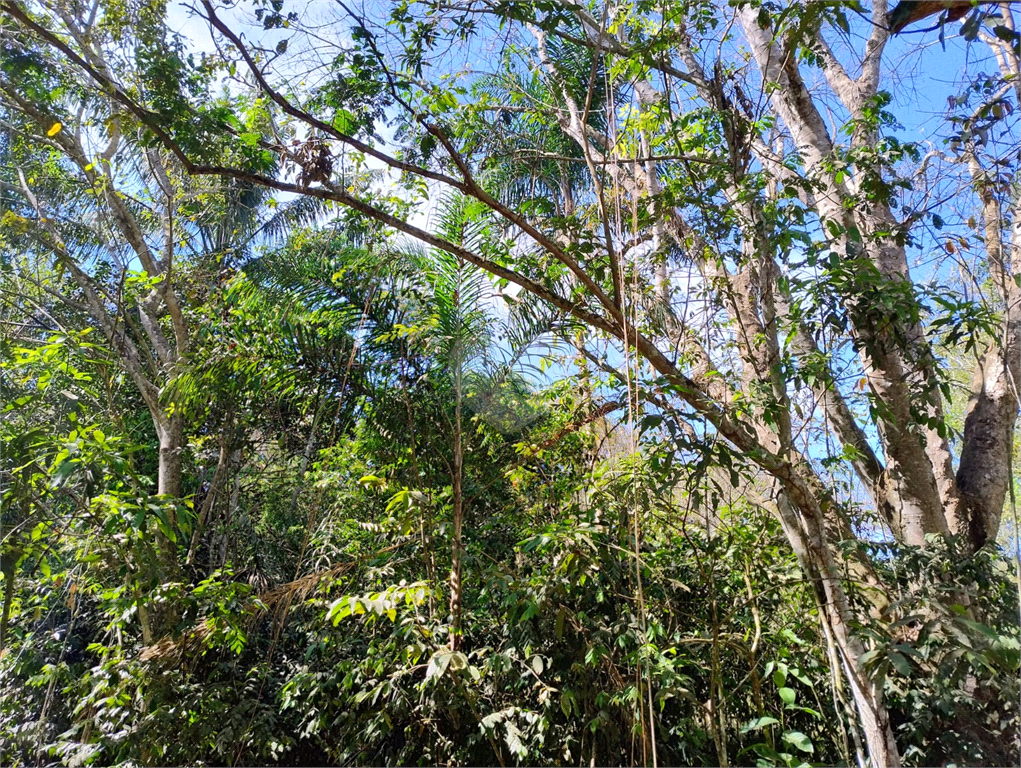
(913,477)
(983,475)
(917,490)
(753,307)
(917,473)
(753,304)
(170,431)
(158,619)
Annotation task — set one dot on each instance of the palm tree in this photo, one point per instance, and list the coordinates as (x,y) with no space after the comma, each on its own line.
(482,354)
(460,332)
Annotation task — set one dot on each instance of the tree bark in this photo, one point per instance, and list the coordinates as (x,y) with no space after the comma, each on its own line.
(158,619)
(983,475)
(170,431)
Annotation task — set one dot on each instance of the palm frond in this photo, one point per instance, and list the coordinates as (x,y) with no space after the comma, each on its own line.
(295,214)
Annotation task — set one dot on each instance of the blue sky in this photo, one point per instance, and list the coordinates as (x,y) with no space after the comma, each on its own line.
(921,72)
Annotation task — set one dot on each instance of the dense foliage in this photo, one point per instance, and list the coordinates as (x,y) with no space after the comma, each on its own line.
(511,411)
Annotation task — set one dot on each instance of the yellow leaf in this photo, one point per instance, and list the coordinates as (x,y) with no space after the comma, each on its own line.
(54,129)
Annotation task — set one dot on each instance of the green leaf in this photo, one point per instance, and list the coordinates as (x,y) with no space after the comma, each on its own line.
(759,723)
(788,695)
(900,663)
(798,740)
(765,751)
(813,712)
(63,473)
(438,663)
(868,657)
(531,610)
(339,609)
(427,145)
(982,629)
(801,677)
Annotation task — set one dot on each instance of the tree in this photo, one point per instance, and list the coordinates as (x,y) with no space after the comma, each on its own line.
(138,240)
(70,207)
(755,260)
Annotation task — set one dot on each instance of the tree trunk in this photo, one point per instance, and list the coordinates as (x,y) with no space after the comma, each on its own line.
(210,500)
(875,722)
(232,505)
(158,619)
(171,436)
(456,548)
(9,569)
